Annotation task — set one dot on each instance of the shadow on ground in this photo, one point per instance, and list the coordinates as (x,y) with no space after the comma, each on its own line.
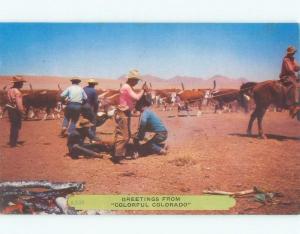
(269,136)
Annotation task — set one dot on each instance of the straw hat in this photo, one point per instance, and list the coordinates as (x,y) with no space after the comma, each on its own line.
(291,50)
(75,79)
(18,79)
(92,81)
(83,123)
(134,74)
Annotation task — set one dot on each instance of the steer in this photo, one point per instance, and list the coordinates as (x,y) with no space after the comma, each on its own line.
(228,96)
(3,101)
(192,96)
(47,99)
(108,99)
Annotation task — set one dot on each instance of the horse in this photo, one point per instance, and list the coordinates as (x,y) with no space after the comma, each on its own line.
(266,93)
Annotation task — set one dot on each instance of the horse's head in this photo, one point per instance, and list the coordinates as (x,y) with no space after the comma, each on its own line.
(145,100)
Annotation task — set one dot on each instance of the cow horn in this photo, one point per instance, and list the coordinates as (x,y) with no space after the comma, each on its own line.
(215,84)
(182,86)
(59,87)
(30,87)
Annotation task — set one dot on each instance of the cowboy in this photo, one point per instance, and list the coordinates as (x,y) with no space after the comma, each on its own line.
(150,122)
(15,109)
(90,108)
(76,139)
(123,114)
(75,97)
(288,71)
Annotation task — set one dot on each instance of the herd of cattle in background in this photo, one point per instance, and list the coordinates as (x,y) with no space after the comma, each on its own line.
(37,101)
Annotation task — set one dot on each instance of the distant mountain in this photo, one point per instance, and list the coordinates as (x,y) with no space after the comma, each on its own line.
(197,82)
(148,78)
(51,82)
(186,79)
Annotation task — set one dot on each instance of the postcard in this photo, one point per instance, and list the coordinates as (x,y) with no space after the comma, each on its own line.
(149,118)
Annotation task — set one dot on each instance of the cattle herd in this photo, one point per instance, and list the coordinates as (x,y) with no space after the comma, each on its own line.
(249,97)
(50,104)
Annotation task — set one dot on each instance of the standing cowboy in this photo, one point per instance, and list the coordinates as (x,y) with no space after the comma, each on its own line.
(90,108)
(75,97)
(15,109)
(123,114)
(288,70)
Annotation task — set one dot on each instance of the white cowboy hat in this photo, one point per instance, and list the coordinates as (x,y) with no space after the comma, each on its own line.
(92,81)
(134,74)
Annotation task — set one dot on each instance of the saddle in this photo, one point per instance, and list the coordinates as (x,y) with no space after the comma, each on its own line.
(289,87)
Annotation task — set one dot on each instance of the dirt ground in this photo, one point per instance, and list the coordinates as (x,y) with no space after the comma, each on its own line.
(206,152)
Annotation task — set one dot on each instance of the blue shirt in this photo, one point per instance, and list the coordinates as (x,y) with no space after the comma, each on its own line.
(74,93)
(92,97)
(149,122)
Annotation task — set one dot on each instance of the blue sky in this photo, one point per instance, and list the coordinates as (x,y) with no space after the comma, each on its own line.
(252,51)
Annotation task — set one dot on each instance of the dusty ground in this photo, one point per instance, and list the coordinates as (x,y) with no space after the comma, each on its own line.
(207,152)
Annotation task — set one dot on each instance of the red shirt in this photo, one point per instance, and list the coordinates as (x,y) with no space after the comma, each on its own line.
(289,68)
(128,96)
(15,98)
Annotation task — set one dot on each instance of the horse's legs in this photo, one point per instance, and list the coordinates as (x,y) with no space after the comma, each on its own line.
(216,107)
(252,118)
(260,116)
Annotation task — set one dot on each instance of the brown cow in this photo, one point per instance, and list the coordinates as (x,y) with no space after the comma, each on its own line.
(3,101)
(193,96)
(108,99)
(228,96)
(46,99)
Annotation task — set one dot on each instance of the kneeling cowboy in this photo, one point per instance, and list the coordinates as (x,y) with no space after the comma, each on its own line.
(76,139)
(150,122)
(15,109)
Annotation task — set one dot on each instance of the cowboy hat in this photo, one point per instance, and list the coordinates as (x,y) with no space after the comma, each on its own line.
(291,50)
(134,74)
(83,123)
(18,79)
(92,81)
(75,79)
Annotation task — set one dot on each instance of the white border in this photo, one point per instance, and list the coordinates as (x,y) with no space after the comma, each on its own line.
(149,11)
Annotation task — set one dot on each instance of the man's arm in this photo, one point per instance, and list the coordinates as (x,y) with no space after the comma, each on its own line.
(134,95)
(288,66)
(84,96)
(65,93)
(95,101)
(19,101)
(142,126)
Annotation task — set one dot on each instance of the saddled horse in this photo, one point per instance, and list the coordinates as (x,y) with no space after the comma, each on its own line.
(267,93)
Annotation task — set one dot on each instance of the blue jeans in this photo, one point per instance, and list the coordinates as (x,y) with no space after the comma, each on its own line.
(15,119)
(154,144)
(88,113)
(72,113)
